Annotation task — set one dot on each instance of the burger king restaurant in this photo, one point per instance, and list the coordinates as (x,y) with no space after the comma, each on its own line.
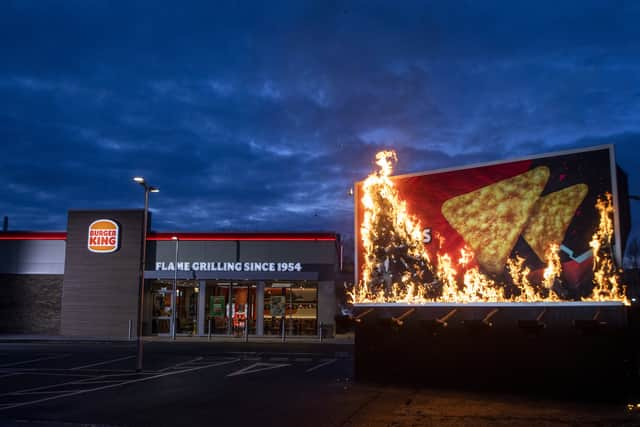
(85,281)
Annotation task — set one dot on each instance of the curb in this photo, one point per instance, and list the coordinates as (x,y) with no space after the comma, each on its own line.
(179,340)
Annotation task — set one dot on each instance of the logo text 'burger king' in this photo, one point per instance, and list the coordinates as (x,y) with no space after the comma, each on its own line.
(103,236)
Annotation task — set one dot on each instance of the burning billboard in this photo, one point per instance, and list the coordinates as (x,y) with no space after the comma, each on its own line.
(541,229)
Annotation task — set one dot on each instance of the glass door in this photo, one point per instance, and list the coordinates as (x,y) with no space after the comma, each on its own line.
(187,308)
(243,313)
(217,295)
(161,315)
(233,316)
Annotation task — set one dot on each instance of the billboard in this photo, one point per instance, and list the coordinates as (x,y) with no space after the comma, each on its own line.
(521,230)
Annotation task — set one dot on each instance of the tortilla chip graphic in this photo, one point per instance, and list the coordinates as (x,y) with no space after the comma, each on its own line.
(491,218)
(551,217)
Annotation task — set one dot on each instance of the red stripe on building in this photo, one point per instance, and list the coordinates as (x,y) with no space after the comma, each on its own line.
(33,235)
(245,236)
(62,235)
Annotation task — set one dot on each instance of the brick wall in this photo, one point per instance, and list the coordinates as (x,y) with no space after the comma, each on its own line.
(30,304)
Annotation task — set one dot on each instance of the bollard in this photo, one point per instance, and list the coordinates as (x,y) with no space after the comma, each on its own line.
(130,328)
(320,331)
(246,329)
(209,329)
(283,330)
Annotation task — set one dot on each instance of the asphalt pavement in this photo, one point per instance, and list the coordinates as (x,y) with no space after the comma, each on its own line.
(246,384)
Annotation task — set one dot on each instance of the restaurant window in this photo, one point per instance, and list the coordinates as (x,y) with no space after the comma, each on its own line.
(295,303)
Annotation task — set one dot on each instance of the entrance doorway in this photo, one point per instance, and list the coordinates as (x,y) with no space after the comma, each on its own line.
(161,307)
(186,307)
(233,316)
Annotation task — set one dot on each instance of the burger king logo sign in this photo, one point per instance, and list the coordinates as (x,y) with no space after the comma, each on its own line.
(104,236)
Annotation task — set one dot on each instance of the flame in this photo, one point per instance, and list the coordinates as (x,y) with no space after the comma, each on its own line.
(448,277)
(478,287)
(519,274)
(396,263)
(397,268)
(606,277)
(551,274)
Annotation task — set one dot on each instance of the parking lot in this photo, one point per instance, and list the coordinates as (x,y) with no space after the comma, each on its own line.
(188,383)
(195,383)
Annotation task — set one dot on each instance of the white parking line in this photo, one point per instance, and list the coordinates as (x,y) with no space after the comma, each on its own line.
(38,370)
(98,381)
(106,362)
(90,378)
(30,393)
(44,387)
(258,367)
(10,375)
(106,387)
(48,374)
(328,362)
(34,360)
(302,359)
(177,365)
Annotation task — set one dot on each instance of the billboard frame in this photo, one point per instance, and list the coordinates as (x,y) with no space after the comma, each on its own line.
(614,190)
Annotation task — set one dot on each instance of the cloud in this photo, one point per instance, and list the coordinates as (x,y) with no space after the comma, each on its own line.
(262,118)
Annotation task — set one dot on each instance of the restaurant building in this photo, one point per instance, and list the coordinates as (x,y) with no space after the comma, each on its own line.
(85,281)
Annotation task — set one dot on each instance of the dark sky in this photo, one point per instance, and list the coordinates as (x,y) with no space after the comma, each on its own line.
(260,116)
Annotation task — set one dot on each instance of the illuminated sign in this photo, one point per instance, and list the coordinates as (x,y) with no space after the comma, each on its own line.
(228,266)
(103,236)
(540,229)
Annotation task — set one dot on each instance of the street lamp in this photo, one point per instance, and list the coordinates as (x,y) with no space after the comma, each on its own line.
(147,189)
(175,290)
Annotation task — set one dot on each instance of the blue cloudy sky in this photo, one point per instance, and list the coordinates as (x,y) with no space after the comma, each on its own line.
(259,116)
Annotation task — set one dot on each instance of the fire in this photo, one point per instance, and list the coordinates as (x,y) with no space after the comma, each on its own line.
(551,274)
(448,277)
(519,274)
(396,264)
(606,277)
(478,287)
(397,268)
(473,286)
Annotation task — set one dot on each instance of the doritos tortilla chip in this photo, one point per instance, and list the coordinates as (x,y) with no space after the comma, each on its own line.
(491,218)
(551,217)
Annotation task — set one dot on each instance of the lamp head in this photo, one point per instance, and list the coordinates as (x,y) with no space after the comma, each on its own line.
(138,179)
(154,189)
(174,237)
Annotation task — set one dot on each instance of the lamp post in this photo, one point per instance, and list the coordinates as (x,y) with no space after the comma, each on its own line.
(147,189)
(632,271)
(175,290)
